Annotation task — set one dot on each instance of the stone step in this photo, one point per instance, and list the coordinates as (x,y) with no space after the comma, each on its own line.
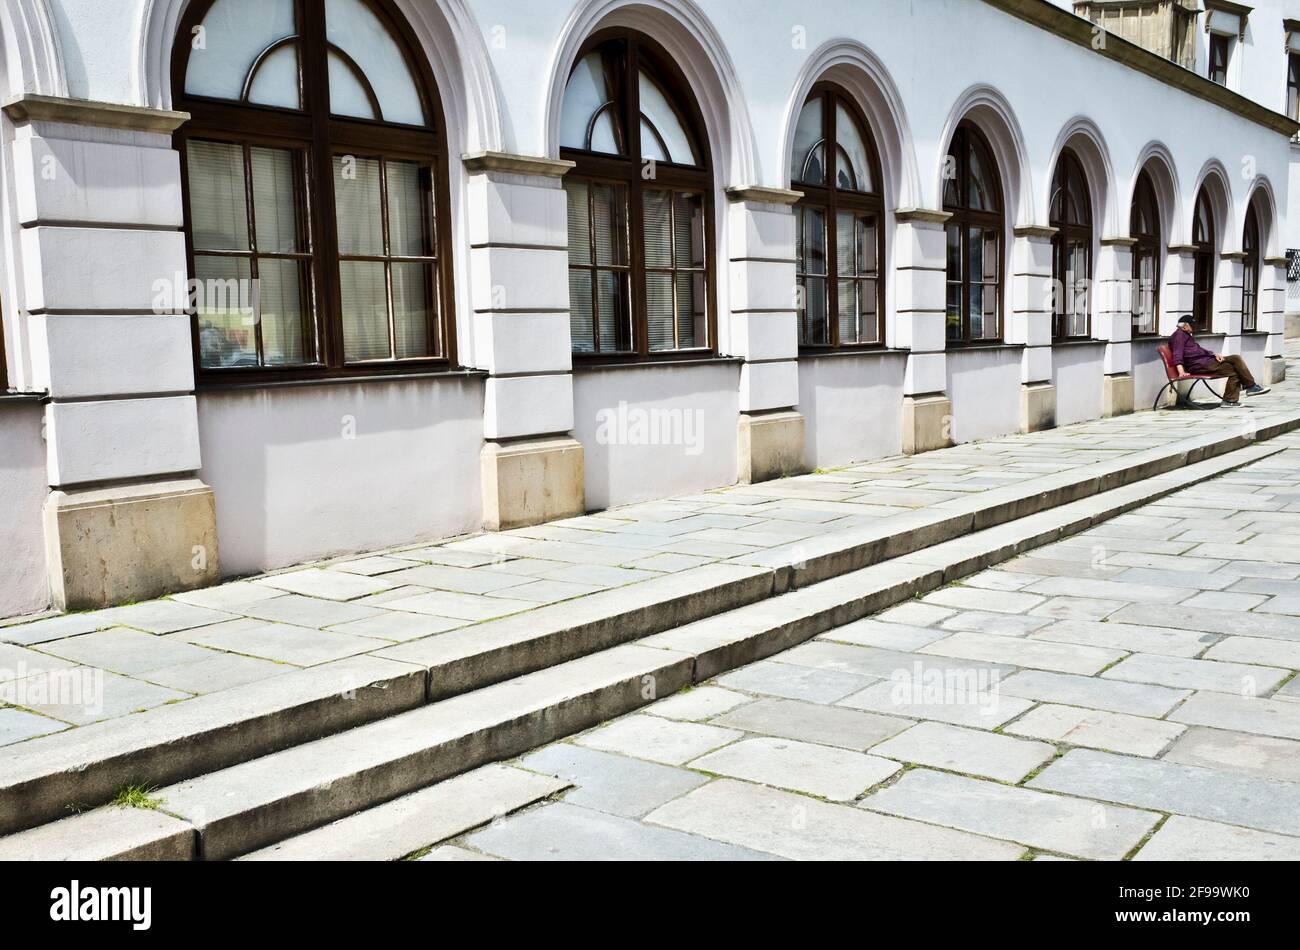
(255,804)
(294,752)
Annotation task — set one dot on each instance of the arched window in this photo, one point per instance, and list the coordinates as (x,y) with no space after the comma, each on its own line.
(640,204)
(973,197)
(1144,228)
(840,240)
(1203,262)
(1250,271)
(1071,215)
(315,189)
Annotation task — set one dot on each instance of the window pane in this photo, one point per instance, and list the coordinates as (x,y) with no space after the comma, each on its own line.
(816,324)
(358,205)
(613,297)
(275,203)
(610,223)
(275,83)
(591,85)
(581,320)
(227,327)
(857,174)
(659,311)
(688,229)
(657,215)
(234,33)
(365,310)
(979,195)
(693,324)
(814,241)
(218,200)
(806,164)
(412,304)
(579,194)
(954,252)
(846,250)
(848,304)
(353,27)
(868,244)
(348,94)
(406,202)
(281,291)
(656,108)
(868,315)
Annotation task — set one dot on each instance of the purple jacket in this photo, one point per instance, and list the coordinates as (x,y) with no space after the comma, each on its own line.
(1189,354)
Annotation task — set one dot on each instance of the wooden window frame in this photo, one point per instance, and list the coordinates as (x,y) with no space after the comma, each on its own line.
(626,170)
(1250,271)
(1203,263)
(320,136)
(966,218)
(831,200)
(1066,234)
(1219,42)
(1146,244)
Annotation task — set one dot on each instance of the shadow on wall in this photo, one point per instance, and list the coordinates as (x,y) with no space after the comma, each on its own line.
(652,432)
(302,473)
(24,587)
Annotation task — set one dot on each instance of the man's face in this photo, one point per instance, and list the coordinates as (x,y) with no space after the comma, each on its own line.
(1187,327)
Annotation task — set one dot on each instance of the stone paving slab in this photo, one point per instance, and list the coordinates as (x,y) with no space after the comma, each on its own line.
(967,751)
(1095,729)
(829,773)
(1241,752)
(1073,826)
(617,784)
(1192,839)
(565,832)
(809,722)
(1264,804)
(803,828)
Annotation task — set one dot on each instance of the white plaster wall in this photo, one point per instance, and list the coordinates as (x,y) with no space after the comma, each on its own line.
(984,385)
(1148,371)
(1252,351)
(1077,371)
(23,586)
(852,407)
(302,473)
(619,472)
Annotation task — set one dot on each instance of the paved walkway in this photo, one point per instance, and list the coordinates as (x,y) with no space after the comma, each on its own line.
(1128,692)
(114,662)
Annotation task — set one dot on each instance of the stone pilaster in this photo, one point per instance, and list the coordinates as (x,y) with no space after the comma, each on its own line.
(1227,300)
(532,467)
(763,330)
(1176,295)
(1112,321)
(920,327)
(1272,317)
(1030,324)
(98,195)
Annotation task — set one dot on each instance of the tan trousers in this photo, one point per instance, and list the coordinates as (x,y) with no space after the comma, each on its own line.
(1235,371)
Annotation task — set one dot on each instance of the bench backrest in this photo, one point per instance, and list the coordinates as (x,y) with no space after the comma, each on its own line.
(1168,358)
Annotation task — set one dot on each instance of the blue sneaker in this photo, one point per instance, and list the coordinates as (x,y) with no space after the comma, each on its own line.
(1256,390)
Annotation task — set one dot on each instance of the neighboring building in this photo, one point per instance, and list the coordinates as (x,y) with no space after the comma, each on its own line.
(284,279)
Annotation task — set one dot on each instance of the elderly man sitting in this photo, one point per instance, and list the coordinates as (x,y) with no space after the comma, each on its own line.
(1192,358)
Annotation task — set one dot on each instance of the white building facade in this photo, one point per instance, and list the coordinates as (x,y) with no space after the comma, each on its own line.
(286,279)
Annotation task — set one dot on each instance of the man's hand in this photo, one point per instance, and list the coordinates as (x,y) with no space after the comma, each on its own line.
(1182,373)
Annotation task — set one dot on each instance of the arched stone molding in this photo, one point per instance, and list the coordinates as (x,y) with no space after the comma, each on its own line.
(992,113)
(1082,136)
(1158,162)
(857,70)
(695,45)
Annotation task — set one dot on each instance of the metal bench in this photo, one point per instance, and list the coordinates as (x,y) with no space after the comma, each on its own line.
(1183,398)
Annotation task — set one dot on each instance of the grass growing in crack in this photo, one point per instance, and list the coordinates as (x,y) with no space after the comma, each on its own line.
(136,796)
